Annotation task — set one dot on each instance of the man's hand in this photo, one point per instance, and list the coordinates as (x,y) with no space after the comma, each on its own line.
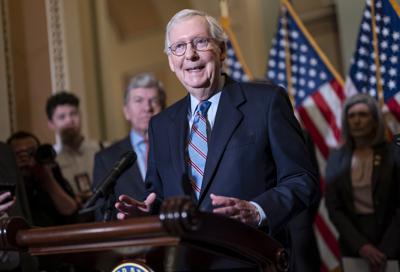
(375,258)
(128,207)
(5,204)
(235,208)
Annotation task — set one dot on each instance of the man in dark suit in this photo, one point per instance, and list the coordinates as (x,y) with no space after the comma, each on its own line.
(236,148)
(144,97)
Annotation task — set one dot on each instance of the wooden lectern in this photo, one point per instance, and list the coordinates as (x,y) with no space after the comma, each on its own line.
(163,242)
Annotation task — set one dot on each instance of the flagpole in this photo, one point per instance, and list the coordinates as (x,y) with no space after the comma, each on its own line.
(223,5)
(313,43)
(288,61)
(376,56)
(225,22)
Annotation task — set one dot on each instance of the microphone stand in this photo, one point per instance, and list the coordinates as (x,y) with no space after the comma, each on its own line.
(108,205)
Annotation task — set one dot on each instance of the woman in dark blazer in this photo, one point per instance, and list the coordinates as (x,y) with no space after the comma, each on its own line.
(363,176)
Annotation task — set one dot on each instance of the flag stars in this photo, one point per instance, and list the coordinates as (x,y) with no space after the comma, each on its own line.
(294,34)
(281,65)
(281,54)
(237,74)
(312,72)
(395,47)
(392,84)
(386,20)
(366,27)
(393,59)
(384,44)
(362,51)
(361,63)
(372,80)
(364,38)
(383,57)
(271,74)
(272,63)
(392,72)
(385,32)
(302,70)
(323,76)
(313,62)
(372,68)
(303,59)
(396,35)
(372,92)
(294,45)
(360,76)
(303,48)
(311,84)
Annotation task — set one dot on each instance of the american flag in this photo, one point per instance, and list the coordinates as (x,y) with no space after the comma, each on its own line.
(375,70)
(234,64)
(316,91)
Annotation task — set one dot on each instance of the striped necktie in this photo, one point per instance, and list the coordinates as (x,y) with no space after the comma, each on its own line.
(198,147)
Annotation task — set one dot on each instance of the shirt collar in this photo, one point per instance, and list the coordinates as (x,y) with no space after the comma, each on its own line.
(136,138)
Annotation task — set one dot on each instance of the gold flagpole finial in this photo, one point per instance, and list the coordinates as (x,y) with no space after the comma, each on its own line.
(223,5)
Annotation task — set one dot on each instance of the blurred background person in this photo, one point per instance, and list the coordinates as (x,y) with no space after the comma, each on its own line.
(363,176)
(50,199)
(75,152)
(144,97)
(13,202)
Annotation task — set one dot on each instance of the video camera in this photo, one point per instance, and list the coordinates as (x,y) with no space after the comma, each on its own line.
(45,154)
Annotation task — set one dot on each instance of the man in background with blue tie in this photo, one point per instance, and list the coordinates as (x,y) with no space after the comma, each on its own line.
(143,98)
(236,148)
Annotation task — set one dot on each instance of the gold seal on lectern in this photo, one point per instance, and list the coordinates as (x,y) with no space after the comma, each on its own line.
(132,266)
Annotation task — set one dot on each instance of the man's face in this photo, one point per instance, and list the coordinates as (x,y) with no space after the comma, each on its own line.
(198,71)
(361,122)
(24,149)
(141,105)
(66,121)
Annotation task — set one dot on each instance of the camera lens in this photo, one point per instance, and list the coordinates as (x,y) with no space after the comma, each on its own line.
(45,153)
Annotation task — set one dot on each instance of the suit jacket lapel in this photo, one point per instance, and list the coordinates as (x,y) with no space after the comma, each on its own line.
(347,175)
(226,121)
(177,134)
(378,169)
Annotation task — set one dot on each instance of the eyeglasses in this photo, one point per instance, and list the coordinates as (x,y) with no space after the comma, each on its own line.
(199,44)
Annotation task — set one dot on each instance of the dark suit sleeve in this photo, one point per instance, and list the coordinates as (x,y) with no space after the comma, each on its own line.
(390,243)
(153,181)
(336,204)
(99,172)
(296,185)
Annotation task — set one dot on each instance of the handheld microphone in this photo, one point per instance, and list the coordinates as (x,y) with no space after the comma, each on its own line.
(127,160)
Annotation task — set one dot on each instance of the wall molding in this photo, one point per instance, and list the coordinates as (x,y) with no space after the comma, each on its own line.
(57,45)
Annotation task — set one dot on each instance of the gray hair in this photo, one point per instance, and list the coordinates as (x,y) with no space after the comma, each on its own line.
(146,80)
(216,31)
(374,110)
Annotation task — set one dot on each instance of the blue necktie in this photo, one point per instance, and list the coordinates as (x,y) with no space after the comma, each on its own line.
(197,147)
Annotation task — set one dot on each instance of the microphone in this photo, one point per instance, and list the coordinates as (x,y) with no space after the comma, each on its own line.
(127,160)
